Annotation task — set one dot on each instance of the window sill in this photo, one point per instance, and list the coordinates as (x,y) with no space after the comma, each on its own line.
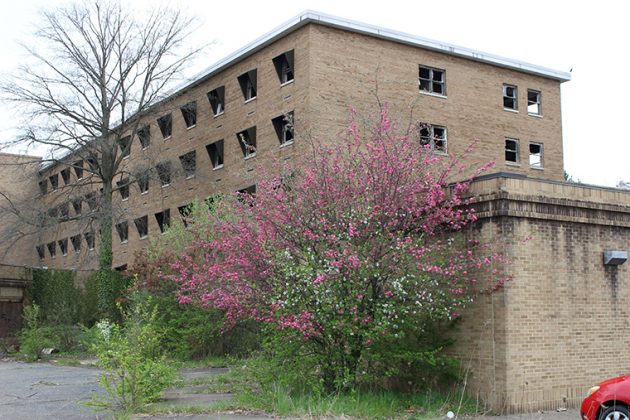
(125,157)
(508,163)
(287,83)
(190,176)
(144,192)
(250,99)
(537,168)
(166,185)
(142,238)
(219,114)
(125,242)
(191,127)
(435,95)
(216,168)
(166,138)
(253,155)
(511,110)
(125,199)
(286,144)
(535,115)
(145,147)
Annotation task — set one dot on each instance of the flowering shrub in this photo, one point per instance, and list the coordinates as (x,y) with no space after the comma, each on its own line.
(359,245)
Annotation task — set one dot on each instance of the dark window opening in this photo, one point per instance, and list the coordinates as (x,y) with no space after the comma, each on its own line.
(64,211)
(90,239)
(52,249)
(143,182)
(92,163)
(123,188)
(248,83)
(121,268)
(142,225)
(63,246)
(189,112)
(164,172)
(433,137)
(511,150)
(91,200)
(510,97)
(41,251)
(186,213)
(284,127)
(251,190)
(536,155)
(125,146)
(247,141)
(43,187)
(284,66)
(534,102)
(217,100)
(53,212)
(65,175)
(215,151)
(77,205)
(189,163)
(76,242)
(123,231)
(163,219)
(78,169)
(166,125)
(432,80)
(54,182)
(144,136)
(212,201)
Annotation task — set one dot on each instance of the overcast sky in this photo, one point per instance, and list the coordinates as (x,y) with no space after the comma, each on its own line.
(588,37)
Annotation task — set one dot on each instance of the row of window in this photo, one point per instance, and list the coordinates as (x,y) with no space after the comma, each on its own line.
(432,80)
(513,153)
(76,242)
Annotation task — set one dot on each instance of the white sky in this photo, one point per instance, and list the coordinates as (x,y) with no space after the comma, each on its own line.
(588,37)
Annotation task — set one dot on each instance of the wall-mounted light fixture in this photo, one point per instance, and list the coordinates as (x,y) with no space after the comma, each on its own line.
(615,257)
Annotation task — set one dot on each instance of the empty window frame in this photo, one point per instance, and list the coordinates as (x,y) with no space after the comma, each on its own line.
(76,243)
(510,97)
(284,67)
(54,182)
(90,239)
(216,97)
(142,225)
(186,213)
(63,246)
(91,200)
(92,163)
(77,205)
(512,150)
(65,175)
(432,80)
(41,251)
(189,113)
(164,173)
(143,182)
(166,125)
(283,125)
(123,188)
(248,83)
(536,155)
(189,163)
(534,102)
(43,187)
(247,141)
(123,231)
(52,249)
(78,169)
(144,136)
(125,146)
(163,219)
(215,152)
(433,137)
(64,211)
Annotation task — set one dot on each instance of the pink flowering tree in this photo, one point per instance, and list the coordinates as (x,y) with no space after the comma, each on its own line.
(352,256)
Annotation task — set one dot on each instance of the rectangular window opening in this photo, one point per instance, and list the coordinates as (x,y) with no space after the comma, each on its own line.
(511,150)
(432,80)
(43,187)
(534,103)
(189,163)
(64,211)
(283,125)
(54,182)
(189,112)
(63,246)
(91,200)
(247,141)
(78,169)
(217,100)
(144,136)
(52,249)
(76,243)
(65,175)
(90,239)
(41,251)
(510,97)
(215,151)
(164,173)
(248,83)
(166,125)
(186,213)
(123,231)
(284,67)
(142,225)
(123,188)
(163,219)
(125,146)
(536,155)
(433,137)
(92,163)
(77,205)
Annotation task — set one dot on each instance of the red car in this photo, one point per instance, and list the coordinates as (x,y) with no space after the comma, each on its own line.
(609,400)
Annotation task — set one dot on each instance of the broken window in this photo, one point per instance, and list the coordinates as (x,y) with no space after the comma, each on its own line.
(189,112)
(166,125)
(284,128)
(511,150)
(143,182)
(247,141)
(43,187)
(248,84)
(65,175)
(510,97)
(64,211)
(76,242)
(123,188)
(164,219)
(164,172)
(52,249)
(144,136)
(284,66)
(90,239)
(189,163)
(78,169)
(534,102)
(63,246)
(90,198)
(123,231)
(433,137)
(186,213)
(536,155)
(215,151)
(54,182)
(142,225)
(217,100)
(432,80)
(41,251)
(125,146)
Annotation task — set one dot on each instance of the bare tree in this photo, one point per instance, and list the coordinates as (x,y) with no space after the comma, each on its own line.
(96,70)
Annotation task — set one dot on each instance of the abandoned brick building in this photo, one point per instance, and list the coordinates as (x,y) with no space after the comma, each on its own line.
(523,345)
